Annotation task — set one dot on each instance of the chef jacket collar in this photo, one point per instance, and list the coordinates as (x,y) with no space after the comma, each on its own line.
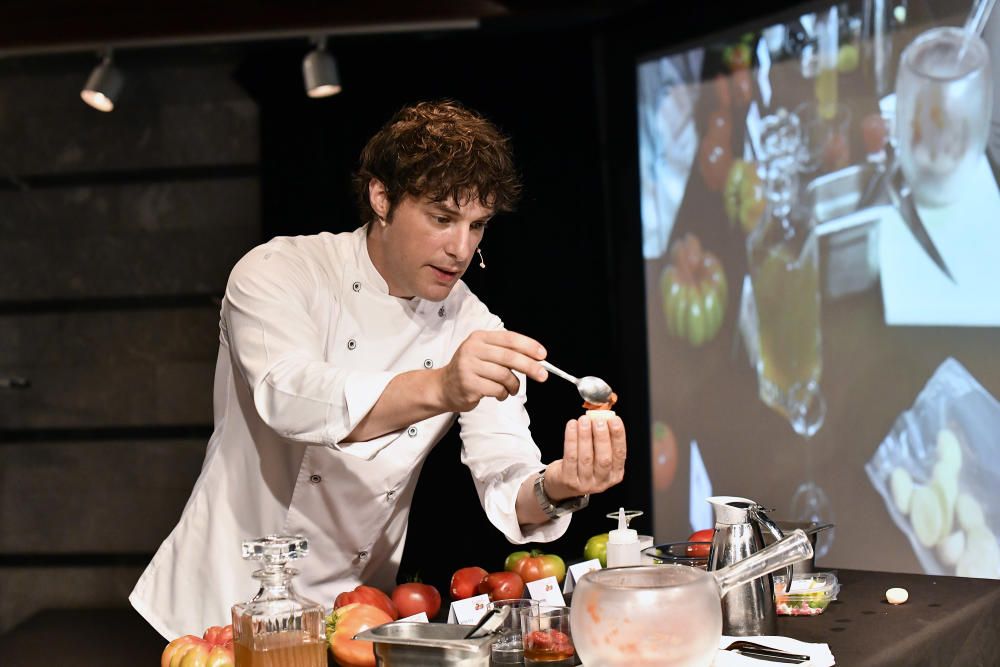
(372,277)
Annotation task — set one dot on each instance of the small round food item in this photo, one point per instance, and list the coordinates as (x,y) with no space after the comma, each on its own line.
(897,595)
(743,195)
(982,543)
(950,549)
(601,415)
(927,515)
(968,512)
(901,485)
(949,450)
(946,488)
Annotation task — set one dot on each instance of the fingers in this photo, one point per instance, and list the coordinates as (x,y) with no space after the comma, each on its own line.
(514,351)
(603,459)
(585,453)
(619,449)
(570,455)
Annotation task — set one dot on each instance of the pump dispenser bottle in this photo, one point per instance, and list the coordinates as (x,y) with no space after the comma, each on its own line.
(623,544)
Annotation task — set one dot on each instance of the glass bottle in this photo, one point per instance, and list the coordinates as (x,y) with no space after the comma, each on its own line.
(783,257)
(278,628)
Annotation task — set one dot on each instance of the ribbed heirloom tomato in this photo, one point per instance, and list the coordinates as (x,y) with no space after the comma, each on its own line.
(367,595)
(345,622)
(536,565)
(215,649)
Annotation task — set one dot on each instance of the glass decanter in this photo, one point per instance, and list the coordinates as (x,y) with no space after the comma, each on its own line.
(278,627)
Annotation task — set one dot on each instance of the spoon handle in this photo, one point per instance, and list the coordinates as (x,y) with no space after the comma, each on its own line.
(563,374)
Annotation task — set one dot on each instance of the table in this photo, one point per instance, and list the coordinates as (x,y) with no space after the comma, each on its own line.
(947,621)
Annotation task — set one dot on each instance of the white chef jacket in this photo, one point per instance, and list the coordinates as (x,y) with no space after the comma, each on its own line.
(309,339)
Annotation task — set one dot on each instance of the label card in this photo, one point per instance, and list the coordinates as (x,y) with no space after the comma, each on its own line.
(417,618)
(546,590)
(578,570)
(469,610)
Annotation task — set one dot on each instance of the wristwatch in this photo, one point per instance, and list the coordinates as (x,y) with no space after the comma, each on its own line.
(556,510)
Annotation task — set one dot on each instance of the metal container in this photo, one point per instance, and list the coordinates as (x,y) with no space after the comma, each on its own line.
(848,235)
(812,529)
(408,644)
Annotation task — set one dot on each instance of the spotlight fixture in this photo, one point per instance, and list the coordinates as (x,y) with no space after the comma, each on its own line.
(104,85)
(319,70)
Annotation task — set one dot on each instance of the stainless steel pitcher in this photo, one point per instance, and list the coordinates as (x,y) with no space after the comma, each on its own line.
(749,609)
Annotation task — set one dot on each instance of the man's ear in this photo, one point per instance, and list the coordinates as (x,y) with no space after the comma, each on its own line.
(378,197)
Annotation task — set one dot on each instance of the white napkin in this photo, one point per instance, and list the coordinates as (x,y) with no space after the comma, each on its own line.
(819,654)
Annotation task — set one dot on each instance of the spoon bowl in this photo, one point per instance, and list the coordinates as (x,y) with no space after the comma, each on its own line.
(592,389)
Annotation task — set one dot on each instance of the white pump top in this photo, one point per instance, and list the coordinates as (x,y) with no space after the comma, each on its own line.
(623,544)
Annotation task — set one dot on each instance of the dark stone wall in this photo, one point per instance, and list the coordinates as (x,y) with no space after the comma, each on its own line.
(117,234)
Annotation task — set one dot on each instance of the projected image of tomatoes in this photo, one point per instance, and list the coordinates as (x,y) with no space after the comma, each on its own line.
(693,291)
(664,456)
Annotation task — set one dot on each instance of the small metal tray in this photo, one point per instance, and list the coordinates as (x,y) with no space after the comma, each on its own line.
(409,644)
(848,235)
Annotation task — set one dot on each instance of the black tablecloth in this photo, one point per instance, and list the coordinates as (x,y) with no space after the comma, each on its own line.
(947,621)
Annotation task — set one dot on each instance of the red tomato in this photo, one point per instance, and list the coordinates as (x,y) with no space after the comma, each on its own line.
(413,597)
(664,456)
(345,622)
(214,650)
(538,566)
(367,595)
(722,92)
(502,585)
(465,581)
(705,538)
(714,159)
(743,85)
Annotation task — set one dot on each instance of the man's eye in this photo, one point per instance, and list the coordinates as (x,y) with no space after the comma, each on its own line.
(479,225)
(442,219)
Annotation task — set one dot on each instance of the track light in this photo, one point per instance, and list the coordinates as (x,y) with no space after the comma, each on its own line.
(104,85)
(319,70)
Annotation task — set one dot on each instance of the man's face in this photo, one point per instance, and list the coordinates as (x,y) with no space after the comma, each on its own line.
(426,246)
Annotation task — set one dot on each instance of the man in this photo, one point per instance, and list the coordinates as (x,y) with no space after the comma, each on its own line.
(343,359)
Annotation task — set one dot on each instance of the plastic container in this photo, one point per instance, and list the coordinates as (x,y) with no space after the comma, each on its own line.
(623,544)
(810,594)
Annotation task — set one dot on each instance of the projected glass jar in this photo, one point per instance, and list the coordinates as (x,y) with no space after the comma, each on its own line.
(783,259)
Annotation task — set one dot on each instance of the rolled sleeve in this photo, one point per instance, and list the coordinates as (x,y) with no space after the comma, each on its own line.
(498,449)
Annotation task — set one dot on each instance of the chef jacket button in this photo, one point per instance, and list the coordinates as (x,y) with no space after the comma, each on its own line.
(363,555)
(351,344)
(412,431)
(428,363)
(356,286)
(315,479)
(390,494)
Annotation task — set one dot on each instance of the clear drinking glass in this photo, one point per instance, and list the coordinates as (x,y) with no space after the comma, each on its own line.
(548,639)
(278,628)
(943,105)
(508,649)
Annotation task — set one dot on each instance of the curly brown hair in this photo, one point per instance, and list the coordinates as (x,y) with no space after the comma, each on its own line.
(440,150)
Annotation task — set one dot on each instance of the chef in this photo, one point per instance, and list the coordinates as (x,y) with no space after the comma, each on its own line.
(343,359)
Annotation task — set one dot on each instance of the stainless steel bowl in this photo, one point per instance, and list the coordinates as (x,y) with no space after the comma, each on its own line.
(408,644)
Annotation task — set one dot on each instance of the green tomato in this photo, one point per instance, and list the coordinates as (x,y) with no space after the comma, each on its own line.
(597,547)
(510,565)
(847,58)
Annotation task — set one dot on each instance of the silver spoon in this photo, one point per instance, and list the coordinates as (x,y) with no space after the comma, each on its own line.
(593,390)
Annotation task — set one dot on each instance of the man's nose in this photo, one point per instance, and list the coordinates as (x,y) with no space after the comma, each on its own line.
(458,243)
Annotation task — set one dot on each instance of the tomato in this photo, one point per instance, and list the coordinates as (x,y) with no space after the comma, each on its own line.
(873,133)
(414,597)
(744,195)
(693,289)
(510,564)
(215,649)
(367,595)
(597,547)
(664,456)
(465,581)
(537,566)
(737,56)
(345,622)
(715,159)
(722,93)
(502,585)
(549,641)
(705,538)
(743,84)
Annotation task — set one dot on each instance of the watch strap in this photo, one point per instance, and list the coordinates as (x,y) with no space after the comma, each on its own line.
(556,510)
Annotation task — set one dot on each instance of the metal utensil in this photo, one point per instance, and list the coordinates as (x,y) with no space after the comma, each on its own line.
(902,199)
(592,389)
(489,623)
(761,652)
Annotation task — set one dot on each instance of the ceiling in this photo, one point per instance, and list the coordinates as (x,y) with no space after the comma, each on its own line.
(54,26)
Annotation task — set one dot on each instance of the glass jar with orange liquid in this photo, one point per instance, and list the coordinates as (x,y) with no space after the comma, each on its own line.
(278,628)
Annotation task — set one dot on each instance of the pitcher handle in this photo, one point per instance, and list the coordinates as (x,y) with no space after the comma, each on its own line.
(758,512)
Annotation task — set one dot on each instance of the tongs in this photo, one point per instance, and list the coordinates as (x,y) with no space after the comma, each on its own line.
(889,178)
(761,652)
